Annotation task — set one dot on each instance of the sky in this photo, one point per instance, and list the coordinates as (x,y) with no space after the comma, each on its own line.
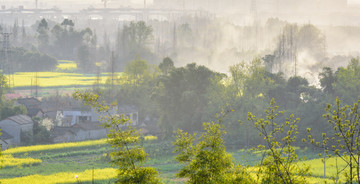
(354,1)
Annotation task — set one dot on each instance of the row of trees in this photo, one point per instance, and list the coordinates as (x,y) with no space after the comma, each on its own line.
(182,97)
(204,158)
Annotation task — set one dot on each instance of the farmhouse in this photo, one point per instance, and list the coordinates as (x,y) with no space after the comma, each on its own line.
(129,111)
(79,132)
(5,140)
(33,106)
(15,125)
(72,117)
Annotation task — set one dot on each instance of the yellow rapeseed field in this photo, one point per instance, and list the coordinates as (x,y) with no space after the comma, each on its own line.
(53,79)
(53,146)
(9,161)
(26,149)
(317,167)
(65,177)
(66,65)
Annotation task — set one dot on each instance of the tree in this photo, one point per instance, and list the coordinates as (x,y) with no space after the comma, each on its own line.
(134,41)
(84,59)
(344,141)
(68,23)
(138,33)
(207,161)
(347,85)
(166,66)
(43,37)
(183,90)
(280,158)
(327,79)
(137,69)
(128,155)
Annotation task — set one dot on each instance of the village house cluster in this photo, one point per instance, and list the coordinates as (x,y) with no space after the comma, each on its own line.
(68,123)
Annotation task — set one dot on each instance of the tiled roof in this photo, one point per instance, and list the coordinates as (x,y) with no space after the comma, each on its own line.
(21,119)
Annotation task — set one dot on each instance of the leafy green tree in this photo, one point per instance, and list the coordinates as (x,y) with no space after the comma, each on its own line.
(207,161)
(133,41)
(138,69)
(32,61)
(42,30)
(183,90)
(128,155)
(280,163)
(166,66)
(347,85)
(311,40)
(344,141)
(138,33)
(327,79)
(85,63)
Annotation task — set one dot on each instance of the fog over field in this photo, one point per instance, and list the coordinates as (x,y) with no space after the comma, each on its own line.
(180,91)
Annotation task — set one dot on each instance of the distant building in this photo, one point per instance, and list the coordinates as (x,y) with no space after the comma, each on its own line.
(5,140)
(33,106)
(15,125)
(79,132)
(129,111)
(72,117)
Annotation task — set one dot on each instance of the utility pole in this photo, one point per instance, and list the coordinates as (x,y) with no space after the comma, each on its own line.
(36,83)
(105,2)
(174,39)
(36,4)
(6,65)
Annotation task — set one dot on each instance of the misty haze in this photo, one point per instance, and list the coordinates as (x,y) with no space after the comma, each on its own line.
(180,91)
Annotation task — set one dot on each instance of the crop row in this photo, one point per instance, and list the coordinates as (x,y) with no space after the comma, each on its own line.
(8,161)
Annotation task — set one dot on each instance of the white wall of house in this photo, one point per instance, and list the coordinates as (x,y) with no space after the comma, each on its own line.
(67,137)
(96,134)
(76,115)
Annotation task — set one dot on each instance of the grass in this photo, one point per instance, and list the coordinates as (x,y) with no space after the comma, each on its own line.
(59,163)
(8,161)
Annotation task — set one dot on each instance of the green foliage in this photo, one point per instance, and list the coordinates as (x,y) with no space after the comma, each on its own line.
(138,69)
(42,30)
(133,40)
(327,79)
(347,85)
(32,61)
(344,140)
(166,66)
(207,161)
(39,135)
(183,90)
(128,155)
(279,165)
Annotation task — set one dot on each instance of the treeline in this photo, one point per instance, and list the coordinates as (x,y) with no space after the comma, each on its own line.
(204,159)
(184,97)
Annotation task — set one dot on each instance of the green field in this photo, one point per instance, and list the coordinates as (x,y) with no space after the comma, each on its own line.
(59,163)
